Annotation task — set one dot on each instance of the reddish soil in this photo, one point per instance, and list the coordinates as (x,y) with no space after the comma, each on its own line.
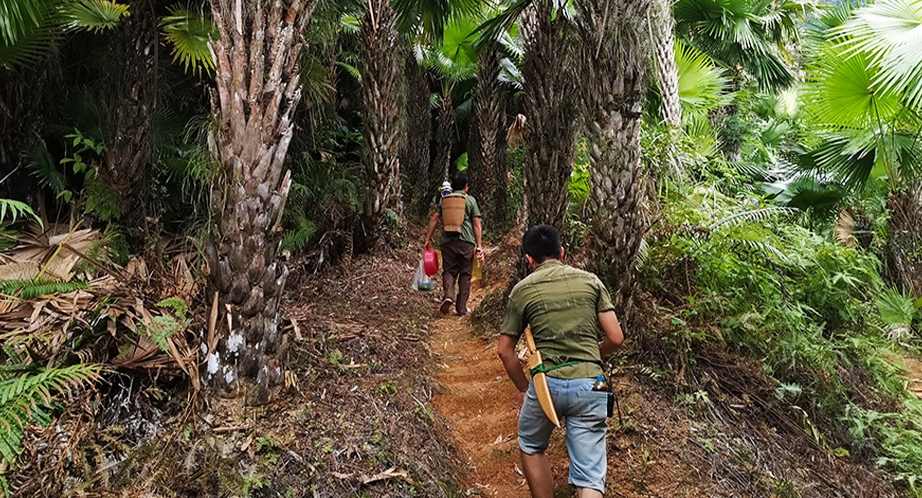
(665,445)
(478,400)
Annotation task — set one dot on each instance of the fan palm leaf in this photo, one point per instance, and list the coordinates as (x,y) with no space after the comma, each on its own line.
(29,29)
(93,15)
(20,17)
(751,35)
(190,33)
(841,91)
(702,85)
(889,35)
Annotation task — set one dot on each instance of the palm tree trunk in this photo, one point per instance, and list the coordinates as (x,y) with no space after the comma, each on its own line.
(130,103)
(444,141)
(487,150)
(661,23)
(613,64)
(381,97)
(550,109)
(903,265)
(258,90)
(414,156)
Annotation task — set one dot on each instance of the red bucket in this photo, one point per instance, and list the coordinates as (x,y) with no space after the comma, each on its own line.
(430,262)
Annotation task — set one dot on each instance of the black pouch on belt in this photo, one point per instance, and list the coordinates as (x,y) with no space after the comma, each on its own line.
(611,403)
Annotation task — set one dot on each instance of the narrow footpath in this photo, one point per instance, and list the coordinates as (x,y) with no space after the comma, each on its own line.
(479,403)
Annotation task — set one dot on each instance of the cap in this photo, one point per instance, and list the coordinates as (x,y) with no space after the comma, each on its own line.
(446,185)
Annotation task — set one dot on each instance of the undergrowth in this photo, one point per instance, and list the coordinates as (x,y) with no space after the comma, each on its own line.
(816,314)
(31,396)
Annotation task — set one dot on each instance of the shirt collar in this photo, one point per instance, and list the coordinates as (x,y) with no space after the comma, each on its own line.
(549,264)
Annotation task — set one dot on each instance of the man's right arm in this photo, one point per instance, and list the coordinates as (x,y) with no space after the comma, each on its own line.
(433,223)
(614,336)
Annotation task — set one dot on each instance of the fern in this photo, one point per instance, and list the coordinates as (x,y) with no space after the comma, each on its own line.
(298,237)
(29,398)
(28,289)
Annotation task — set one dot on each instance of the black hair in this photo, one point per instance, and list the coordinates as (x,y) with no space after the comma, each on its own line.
(459,181)
(541,242)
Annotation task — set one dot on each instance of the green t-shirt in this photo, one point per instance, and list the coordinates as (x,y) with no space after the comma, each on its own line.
(561,303)
(471,211)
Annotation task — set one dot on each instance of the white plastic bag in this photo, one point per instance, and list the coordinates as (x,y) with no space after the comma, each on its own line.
(421,281)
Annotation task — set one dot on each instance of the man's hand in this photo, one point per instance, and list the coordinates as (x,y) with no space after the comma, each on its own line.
(480,254)
(427,245)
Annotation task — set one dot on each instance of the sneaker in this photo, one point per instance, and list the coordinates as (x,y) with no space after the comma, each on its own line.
(446,306)
(466,312)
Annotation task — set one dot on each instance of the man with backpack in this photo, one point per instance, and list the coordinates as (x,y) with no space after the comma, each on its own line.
(569,311)
(460,243)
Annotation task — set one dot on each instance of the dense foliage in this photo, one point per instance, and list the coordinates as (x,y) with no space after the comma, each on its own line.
(765,192)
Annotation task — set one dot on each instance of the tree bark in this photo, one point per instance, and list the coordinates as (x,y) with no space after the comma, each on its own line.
(380,56)
(487,150)
(444,141)
(258,90)
(414,156)
(550,109)
(613,65)
(130,102)
(903,265)
(661,23)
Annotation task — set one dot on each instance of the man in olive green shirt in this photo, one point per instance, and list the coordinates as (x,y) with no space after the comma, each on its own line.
(458,249)
(569,311)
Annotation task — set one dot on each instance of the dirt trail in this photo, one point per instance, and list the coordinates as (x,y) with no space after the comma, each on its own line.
(479,404)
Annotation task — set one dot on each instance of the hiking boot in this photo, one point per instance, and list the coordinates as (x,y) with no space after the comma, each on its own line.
(446,306)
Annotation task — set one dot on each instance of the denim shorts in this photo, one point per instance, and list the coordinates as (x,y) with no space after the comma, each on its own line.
(584,412)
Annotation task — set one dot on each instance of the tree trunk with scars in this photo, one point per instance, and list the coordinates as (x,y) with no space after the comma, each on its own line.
(444,141)
(903,265)
(487,151)
(550,109)
(414,155)
(661,24)
(380,56)
(131,98)
(257,92)
(613,63)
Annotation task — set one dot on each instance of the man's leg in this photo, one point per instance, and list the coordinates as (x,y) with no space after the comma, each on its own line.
(588,493)
(449,272)
(465,270)
(537,470)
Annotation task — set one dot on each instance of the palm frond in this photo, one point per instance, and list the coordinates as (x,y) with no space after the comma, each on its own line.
(16,209)
(45,169)
(754,215)
(93,15)
(850,163)
(20,17)
(841,91)
(740,33)
(352,70)
(888,34)
(31,44)
(190,33)
(510,74)
(492,30)
(702,85)
(896,312)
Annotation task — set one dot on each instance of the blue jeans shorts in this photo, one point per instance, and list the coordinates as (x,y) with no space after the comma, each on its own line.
(584,412)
